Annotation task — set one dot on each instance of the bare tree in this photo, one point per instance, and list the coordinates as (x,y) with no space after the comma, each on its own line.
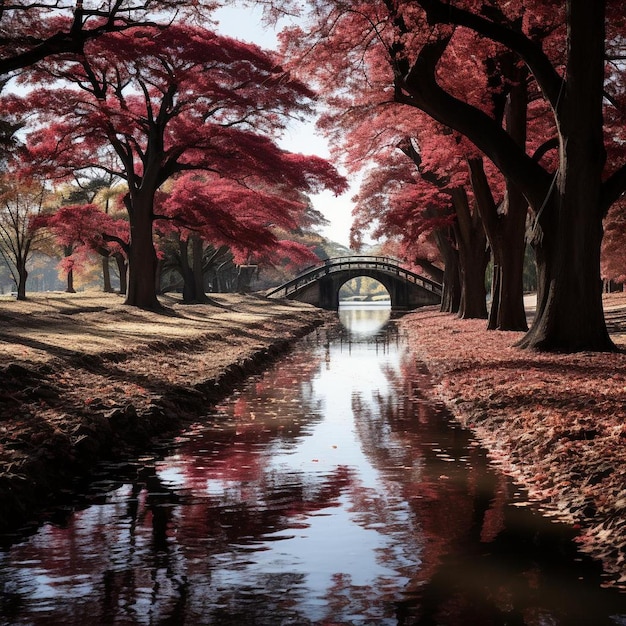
(20,202)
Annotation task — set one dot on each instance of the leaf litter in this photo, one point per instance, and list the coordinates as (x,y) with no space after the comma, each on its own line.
(556,423)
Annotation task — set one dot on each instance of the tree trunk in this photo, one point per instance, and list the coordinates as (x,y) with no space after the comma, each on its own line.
(106,275)
(22,275)
(69,279)
(569,315)
(473,257)
(473,264)
(189,285)
(507,304)
(508,240)
(197,252)
(142,258)
(451,292)
(505,228)
(505,225)
(70,282)
(122,270)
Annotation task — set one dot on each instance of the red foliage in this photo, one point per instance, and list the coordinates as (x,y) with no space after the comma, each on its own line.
(367,127)
(188,93)
(166,102)
(83,228)
(32,31)
(227,213)
(462,64)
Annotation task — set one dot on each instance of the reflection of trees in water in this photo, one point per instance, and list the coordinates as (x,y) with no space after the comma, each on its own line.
(179,541)
(484,561)
(151,555)
(152,551)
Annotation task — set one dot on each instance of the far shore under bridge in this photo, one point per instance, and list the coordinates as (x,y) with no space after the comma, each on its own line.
(320,284)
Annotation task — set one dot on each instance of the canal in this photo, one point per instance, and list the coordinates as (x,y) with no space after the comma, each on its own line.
(326,491)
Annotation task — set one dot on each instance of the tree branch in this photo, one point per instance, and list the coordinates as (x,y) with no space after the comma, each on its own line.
(114,239)
(547,77)
(544,148)
(482,192)
(419,88)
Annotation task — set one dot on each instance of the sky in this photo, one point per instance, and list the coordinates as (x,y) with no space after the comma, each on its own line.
(245,24)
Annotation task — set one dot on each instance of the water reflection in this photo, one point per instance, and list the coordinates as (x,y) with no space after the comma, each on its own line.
(364,320)
(325,492)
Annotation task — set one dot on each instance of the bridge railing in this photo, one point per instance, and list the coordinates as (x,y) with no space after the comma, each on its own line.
(349,259)
(387,264)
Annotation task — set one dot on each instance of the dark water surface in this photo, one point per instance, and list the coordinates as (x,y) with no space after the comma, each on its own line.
(327,491)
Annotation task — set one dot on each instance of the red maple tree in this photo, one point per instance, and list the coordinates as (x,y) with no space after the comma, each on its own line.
(423,48)
(168,101)
(80,229)
(248,220)
(418,181)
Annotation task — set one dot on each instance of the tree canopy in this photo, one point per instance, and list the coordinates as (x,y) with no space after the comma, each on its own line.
(163,102)
(450,60)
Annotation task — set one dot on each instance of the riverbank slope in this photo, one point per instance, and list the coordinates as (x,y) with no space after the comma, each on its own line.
(555,422)
(84,377)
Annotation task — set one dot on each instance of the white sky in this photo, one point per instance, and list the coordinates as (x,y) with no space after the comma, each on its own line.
(245,24)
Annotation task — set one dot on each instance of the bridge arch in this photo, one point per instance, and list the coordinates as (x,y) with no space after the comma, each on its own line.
(319,285)
(363,289)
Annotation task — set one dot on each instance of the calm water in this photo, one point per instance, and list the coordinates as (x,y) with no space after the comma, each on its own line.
(327,491)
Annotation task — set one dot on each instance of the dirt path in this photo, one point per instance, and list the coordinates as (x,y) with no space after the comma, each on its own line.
(555,422)
(83,377)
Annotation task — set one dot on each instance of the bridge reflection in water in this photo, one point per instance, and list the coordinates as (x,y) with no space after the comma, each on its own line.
(364,319)
(320,285)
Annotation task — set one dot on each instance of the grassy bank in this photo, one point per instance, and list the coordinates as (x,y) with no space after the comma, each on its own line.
(555,422)
(84,377)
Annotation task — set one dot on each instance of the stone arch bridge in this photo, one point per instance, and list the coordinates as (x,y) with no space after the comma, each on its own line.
(320,285)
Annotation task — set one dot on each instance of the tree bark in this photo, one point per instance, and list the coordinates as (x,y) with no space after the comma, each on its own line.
(197,259)
(507,305)
(106,275)
(189,285)
(122,270)
(142,258)
(22,276)
(69,279)
(505,227)
(568,233)
(70,282)
(451,292)
(473,257)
